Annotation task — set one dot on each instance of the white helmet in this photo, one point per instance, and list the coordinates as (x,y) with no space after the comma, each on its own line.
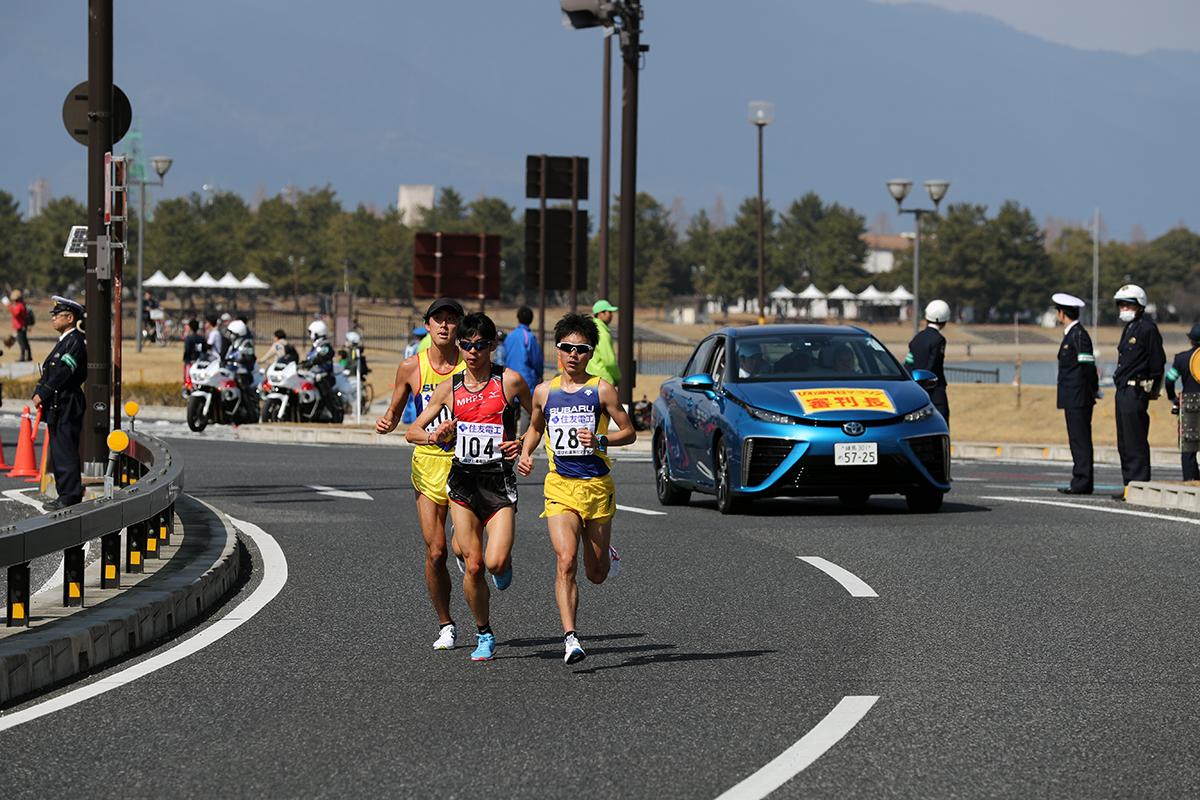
(938,311)
(238,328)
(318,330)
(1131,293)
(354,338)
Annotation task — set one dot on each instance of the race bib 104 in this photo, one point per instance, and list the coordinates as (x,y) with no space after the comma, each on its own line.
(563,430)
(478,442)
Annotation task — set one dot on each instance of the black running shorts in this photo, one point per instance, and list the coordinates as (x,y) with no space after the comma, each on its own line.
(484,491)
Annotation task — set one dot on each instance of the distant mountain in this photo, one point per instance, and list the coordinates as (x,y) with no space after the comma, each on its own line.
(369,95)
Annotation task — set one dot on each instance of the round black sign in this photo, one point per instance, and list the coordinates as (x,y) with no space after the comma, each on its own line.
(75,113)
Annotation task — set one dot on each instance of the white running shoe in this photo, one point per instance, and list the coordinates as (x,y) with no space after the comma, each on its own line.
(574,651)
(614,561)
(447,638)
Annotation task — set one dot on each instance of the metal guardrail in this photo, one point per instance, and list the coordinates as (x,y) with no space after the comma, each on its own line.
(146,482)
(968,375)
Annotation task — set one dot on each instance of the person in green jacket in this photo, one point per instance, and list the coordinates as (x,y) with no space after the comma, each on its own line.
(604,360)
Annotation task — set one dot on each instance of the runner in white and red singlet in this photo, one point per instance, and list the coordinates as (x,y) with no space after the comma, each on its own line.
(482,486)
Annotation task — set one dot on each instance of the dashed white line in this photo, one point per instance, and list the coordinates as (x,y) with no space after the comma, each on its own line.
(274,577)
(836,724)
(329,491)
(1094,507)
(635,510)
(853,584)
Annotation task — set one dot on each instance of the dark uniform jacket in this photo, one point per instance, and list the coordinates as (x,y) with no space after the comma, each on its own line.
(63,373)
(1077,378)
(1140,355)
(320,357)
(1181,369)
(927,350)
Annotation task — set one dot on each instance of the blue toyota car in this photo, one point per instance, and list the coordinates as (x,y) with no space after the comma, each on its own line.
(799,410)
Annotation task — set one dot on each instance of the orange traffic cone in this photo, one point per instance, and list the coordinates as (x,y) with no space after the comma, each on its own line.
(24,466)
(3,464)
(45,460)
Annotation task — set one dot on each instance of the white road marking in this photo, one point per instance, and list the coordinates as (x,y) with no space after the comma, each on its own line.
(275,573)
(853,584)
(21,496)
(1094,507)
(329,491)
(1025,487)
(791,762)
(635,510)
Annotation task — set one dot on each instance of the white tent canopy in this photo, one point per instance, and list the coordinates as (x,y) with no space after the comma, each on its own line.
(157,281)
(206,281)
(901,294)
(782,292)
(811,293)
(842,293)
(871,295)
(252,281)
(228,281)
(182,281)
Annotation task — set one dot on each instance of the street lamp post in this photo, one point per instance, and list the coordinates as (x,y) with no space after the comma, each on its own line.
(762,114)
(899,190)
(161,164)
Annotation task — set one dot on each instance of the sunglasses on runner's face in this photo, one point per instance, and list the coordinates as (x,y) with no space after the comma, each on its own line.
(571,347)
(482,344)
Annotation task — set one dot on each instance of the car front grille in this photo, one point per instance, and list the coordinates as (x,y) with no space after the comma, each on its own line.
(762,456)
(818,472)
(934,454)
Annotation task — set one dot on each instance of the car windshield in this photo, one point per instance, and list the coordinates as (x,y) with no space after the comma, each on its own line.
(813,357)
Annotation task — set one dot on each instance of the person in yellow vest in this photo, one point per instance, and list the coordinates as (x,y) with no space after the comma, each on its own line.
(604,359)
(418,376)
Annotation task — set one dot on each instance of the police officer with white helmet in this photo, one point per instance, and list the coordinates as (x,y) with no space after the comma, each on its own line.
(1137,379)
(1078,383)
(320,361)
(927,350)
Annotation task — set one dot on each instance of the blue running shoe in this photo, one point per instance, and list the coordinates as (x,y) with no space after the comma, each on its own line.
(485,650)
(502,580)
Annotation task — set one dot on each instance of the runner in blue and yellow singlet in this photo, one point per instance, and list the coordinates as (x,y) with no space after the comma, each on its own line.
(573,411)
(418,376)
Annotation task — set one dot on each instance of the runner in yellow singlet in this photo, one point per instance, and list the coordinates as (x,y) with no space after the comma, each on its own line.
(418,376)
(573,411)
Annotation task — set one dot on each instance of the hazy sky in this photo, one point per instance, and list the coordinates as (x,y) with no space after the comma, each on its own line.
(1126,26)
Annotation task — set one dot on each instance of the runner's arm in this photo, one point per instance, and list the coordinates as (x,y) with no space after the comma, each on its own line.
(416,432)
(395,410)
(626,433)
(537,426)
(515,386)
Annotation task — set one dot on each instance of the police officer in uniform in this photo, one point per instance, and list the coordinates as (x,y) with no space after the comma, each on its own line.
(927,350)
(60,394)
(1185,367)
(1137,379)
(1077,385)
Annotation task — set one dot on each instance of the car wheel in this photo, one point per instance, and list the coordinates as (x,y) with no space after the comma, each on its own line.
(924,501)
(727,501)
(854,499)
(196,419)
(668,493)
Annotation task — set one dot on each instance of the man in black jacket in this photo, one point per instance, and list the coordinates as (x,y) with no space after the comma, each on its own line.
(60,394)
(1077,385)
(1184,368)
(927,350)
(1137,379)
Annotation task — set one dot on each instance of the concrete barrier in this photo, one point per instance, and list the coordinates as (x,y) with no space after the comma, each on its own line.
(1160,494)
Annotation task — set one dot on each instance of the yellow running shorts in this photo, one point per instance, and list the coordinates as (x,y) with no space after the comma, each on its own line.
(593,499)
(430,472)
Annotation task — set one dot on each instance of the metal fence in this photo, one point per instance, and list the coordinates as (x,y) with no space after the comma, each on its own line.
(968,375)
(147,481)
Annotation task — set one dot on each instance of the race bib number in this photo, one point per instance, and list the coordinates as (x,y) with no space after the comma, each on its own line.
(442,416)
(478,442)
(564,433)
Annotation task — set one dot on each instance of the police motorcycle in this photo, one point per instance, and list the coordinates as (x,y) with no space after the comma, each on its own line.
(292,392)
(221,390)
(351,383)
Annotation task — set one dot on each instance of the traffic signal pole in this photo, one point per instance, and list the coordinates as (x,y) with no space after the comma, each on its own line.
(631,52)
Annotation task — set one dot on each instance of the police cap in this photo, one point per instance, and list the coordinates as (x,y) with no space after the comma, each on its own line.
(1064,300)
(66,304)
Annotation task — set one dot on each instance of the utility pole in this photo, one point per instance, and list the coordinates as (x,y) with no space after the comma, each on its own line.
(98,295)
(1096,272)
(631,54)
(605,156)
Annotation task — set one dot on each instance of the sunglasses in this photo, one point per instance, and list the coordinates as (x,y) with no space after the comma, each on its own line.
(482,344)
(571,347)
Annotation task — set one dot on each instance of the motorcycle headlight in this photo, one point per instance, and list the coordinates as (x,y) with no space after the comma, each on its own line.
(769,416)
(919,414)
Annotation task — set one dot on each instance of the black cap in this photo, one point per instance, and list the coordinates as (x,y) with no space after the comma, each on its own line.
(444,303)
(1194,333)
(66,304)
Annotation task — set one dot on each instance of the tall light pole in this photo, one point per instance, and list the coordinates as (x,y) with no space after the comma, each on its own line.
(161,164)
(605,158)
(762,114)
(1096,271)
(898,188)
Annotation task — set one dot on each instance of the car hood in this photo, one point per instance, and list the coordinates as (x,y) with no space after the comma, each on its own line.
(779,397)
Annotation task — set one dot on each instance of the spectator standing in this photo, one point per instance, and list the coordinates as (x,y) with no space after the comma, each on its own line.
(214,341)
(21,320)
(604,361)
(523,354)
(193,345)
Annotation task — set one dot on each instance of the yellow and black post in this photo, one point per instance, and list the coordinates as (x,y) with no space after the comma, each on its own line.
(166,522)
(18,595)
(110,561)
(73,576)
(150,527)
(135,548)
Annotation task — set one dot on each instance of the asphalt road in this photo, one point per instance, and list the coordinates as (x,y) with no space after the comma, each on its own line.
(1017,649)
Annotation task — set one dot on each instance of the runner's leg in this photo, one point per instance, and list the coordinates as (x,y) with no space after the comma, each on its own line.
(468,539)
(596,537)
(432,518)
(499,540)
(564,538)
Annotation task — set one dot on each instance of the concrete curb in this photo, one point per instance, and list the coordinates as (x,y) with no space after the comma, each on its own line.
(1158,494)
(340,434)
(168,601)
(1059,453)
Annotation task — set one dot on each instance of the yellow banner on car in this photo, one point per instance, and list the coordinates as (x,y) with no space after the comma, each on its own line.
(818,401)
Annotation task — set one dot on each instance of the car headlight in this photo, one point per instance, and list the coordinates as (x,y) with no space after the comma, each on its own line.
(919,414)
(769,416)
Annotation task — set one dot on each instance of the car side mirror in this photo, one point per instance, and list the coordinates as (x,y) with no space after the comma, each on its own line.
(700,382)
(924,378)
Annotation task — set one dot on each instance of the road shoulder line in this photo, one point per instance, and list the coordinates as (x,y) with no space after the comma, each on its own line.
(853,584)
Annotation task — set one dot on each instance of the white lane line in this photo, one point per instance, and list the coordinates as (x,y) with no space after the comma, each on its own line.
(853,584)
(329,491)
(21,497)
(781,769)
(635,510)
(1024,487)
(1094,507)
(275,573)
